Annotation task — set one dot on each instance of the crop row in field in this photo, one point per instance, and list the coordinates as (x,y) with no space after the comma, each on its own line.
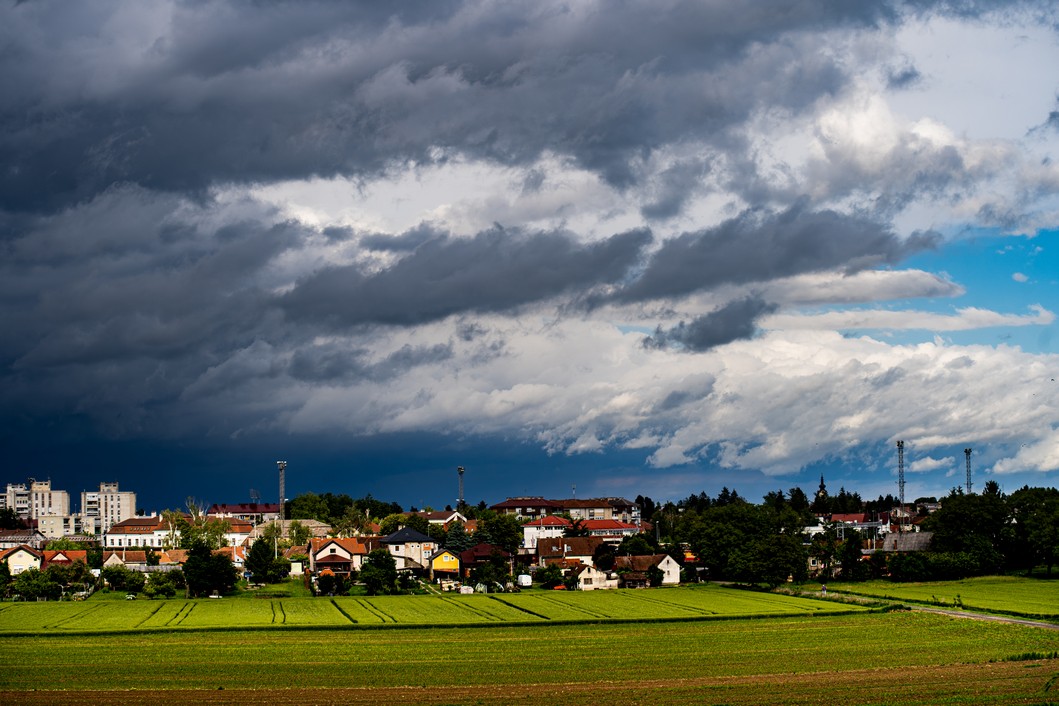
(1033,598)
(573,656)
(449,610)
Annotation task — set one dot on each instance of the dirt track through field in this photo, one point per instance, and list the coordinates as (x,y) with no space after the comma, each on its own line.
(992,618)
(1029,682)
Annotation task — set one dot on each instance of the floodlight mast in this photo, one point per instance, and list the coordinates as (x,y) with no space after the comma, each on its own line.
(459,500)
(901,479)
(282,466)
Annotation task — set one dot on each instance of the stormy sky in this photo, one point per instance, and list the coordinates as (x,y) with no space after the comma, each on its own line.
(641,248)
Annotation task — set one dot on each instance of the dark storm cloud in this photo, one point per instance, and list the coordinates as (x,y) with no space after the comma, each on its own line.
(676,186)
(407,241)
(336,364)
(496,270)
(756,248)
(191,95)
(115,307)
(732,322)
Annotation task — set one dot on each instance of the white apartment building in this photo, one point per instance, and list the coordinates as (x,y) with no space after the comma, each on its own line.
(103,509)
(35,500)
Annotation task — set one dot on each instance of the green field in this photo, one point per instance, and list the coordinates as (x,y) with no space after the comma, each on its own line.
(701,645)
(700,603)
(1009,595)
(863,658)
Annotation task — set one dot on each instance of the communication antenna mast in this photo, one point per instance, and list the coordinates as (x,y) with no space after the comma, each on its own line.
(282,466)
(967,453)
(901,476)
(459,501)
(573,490)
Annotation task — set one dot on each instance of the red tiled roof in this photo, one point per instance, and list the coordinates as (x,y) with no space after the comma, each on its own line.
(4,553)
(64,556)
(617,525)
(549,521)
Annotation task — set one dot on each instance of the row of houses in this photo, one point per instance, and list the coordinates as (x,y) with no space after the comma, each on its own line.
(418,553)
(21,558)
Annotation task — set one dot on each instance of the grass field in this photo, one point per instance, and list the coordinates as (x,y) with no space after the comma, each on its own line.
(863,658)
(1009,595)
(668,646)
(700,603)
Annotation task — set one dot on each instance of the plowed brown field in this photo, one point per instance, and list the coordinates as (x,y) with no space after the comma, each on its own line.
(998,683)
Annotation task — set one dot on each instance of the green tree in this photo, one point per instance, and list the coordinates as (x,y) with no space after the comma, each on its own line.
(391,523)
(352,522)
(173,520)
(379,573)
(259,562)
(495,570)
(502,530)
(298,533)
(160,584)
(206,572)
(457,539)
(576,528)
(32,584)
(5,578)
(204,530)
(308,506)
(550,576)
(635,545)
(122,579)
(9,519)
(975,524)
(603,557)
(824,547)
(850,557)
(63,544)
(417,522)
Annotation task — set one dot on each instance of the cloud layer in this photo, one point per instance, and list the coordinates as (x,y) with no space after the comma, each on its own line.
(593,227)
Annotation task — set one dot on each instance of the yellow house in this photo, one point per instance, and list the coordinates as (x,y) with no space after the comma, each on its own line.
(444,564)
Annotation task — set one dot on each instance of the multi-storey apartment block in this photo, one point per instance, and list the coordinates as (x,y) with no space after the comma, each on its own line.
(103,509)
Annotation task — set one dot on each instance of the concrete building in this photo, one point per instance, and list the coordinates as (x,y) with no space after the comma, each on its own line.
(102,509)
(36,499)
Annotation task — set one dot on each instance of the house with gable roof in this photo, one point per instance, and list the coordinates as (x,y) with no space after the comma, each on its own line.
(20,558)
(546,527)
(62,557)
(439,517)
(444,564)
(342,556)
(410,549)
(567,550)
(635,567)
(589,578)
